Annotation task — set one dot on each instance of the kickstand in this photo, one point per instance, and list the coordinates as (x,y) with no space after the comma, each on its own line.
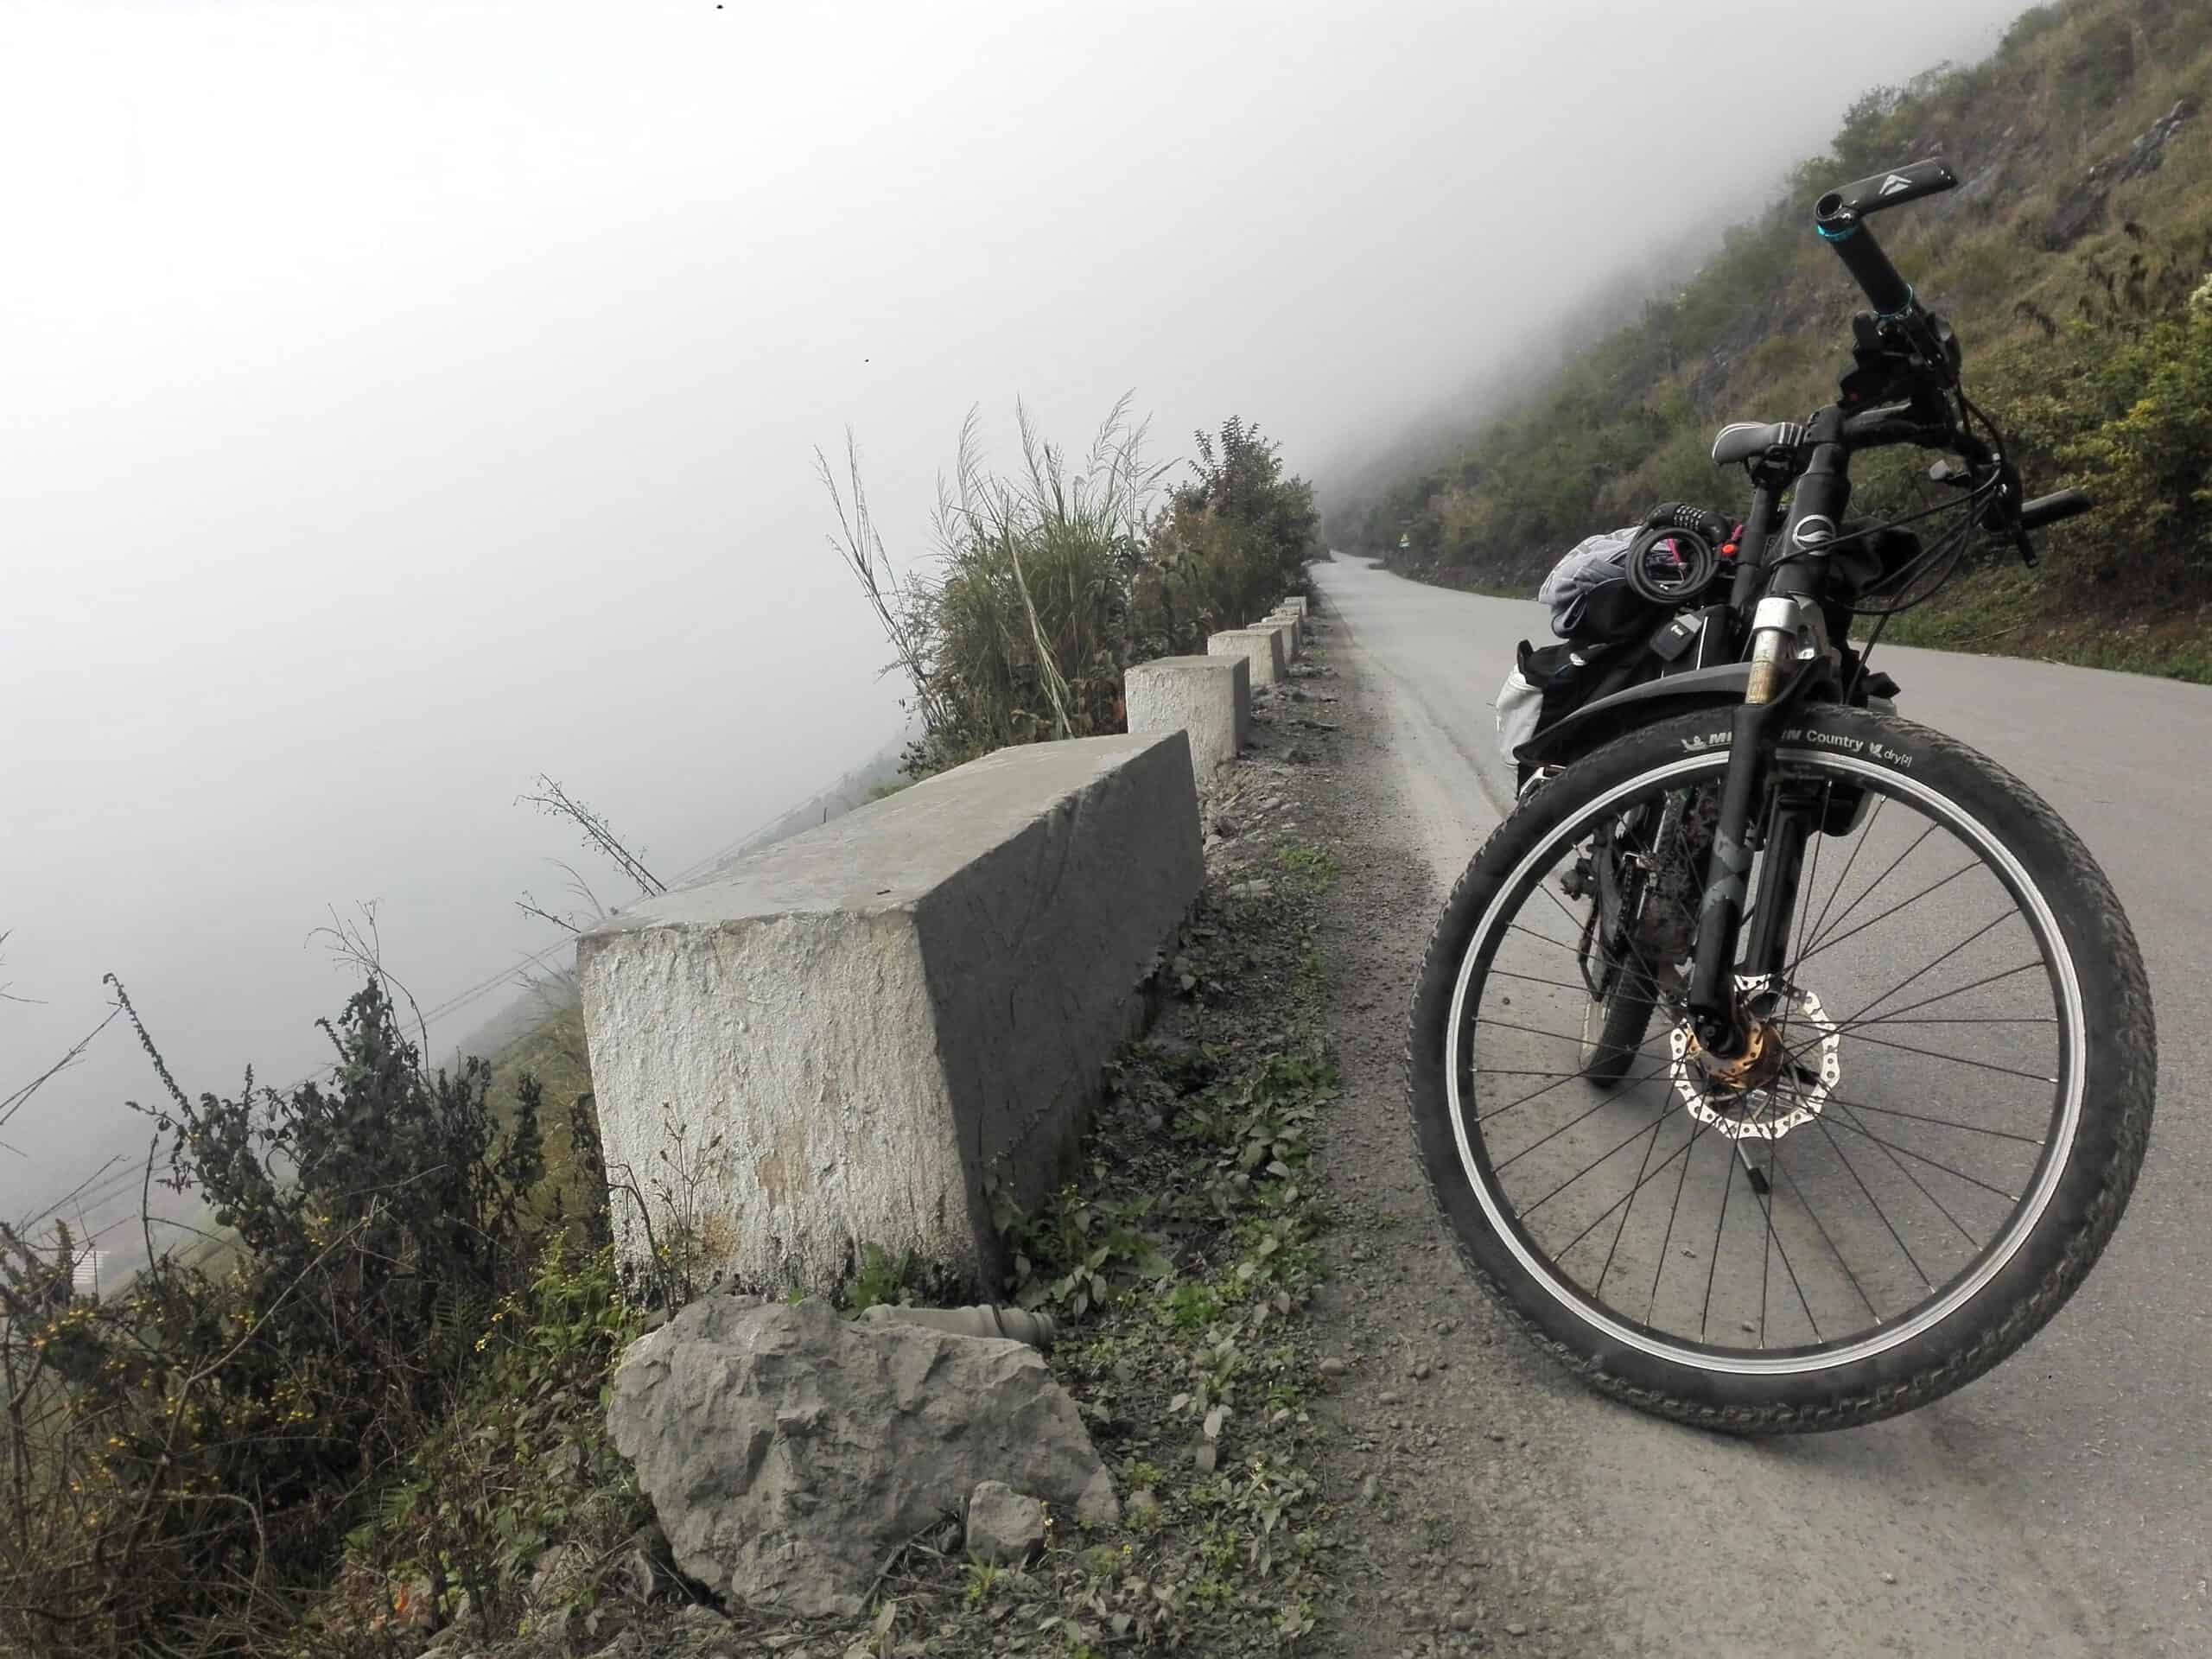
(1759,1183)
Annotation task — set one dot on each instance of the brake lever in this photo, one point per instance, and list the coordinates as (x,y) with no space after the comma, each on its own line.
(2008,503)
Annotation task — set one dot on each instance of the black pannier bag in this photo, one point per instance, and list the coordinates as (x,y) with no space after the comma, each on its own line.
(1607,627)
(1614,638)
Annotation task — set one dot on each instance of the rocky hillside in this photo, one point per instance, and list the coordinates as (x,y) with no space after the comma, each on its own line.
(2068,261)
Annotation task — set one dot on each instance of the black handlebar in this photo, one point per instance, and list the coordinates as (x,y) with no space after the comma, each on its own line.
(2054,509)
(1840,217)
(1862,255)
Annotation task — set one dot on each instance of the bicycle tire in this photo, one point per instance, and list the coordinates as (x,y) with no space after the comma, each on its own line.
(2088,1190)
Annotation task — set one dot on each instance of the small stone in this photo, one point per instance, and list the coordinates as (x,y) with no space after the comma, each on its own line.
(1421,1370)
(1463,1619)
(1098,1506)
(1226,826)
(1333,1367)
(1389,1397)
(1142,1500)
(1515,1627)
(1371,1488)
(1003,1525)
(1205,1456)
(1888,1578)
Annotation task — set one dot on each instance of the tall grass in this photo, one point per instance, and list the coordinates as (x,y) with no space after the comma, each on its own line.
(1048,580)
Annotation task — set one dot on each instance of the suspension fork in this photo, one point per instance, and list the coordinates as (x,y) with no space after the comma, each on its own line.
(1780,627)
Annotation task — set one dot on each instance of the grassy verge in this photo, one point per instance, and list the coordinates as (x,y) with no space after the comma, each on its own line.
(1183,1261)
(2011,612)
(1178,1264)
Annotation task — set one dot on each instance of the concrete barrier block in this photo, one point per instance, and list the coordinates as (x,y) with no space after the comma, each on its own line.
(1209,698)
(835,1040)
(1264,648)
(1287,627)
(1295,604)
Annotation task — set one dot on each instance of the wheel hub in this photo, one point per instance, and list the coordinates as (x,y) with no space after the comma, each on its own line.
(1782,1078)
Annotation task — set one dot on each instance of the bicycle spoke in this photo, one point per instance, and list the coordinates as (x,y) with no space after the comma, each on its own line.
(1858,1019)
(1629,1200)
(1859,840)
(1868,1007)
(1529,1210)
(1859,1036)
(1564,1076)
(1899,1147)
(1948,1123)
(1572,950)
(1607,1101)
(1667,1242)
(1821,1227)
(1880,1214)
(1774,1236)
(1712,1267)
(1531,979)
(1557,1036)
(1820,945)
(1875,883)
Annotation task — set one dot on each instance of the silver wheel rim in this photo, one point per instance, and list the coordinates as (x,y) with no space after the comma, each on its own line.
(2025,1216)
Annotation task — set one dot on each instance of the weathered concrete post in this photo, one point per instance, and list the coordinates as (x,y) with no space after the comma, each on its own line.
(1287,627)
(1262,647)
(1209,698)
(840,1040)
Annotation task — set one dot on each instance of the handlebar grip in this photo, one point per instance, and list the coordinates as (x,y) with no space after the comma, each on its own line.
(1862,255)
(2054,509)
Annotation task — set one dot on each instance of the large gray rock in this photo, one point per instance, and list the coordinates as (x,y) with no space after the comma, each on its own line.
(839,1040)
(787,1452)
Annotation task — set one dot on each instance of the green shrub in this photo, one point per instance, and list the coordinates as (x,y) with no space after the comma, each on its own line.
(523,1459)
(1049,582)
(182,1462)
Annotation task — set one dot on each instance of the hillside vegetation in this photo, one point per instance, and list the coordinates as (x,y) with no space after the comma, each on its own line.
(2073,261)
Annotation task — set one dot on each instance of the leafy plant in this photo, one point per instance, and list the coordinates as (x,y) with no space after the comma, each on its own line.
(184,1458)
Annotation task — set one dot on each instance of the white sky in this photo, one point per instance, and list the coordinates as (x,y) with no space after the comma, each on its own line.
(399,400)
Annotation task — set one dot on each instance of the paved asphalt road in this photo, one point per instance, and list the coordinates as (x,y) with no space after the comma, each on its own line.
(2063,1504)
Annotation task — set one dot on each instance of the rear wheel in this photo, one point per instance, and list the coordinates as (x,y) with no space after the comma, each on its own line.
(1613,1026)
(1903,1176)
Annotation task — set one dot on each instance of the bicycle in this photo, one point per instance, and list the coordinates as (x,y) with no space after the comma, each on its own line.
(1775,1177)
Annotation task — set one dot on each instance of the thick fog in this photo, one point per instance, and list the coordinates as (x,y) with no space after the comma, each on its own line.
(402,400)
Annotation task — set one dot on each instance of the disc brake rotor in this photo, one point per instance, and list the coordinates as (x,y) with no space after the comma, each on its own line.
(1776,1085)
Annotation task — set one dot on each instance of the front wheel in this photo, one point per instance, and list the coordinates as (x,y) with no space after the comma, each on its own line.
(1912,1165)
